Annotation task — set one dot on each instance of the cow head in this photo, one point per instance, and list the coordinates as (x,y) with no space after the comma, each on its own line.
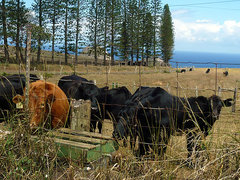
(121,130)
(125,123)
(89,91)
(217,104)
(39,107)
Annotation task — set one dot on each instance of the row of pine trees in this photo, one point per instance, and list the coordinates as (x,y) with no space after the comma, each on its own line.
(130,29)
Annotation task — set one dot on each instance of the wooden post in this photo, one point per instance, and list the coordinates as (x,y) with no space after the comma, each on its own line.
(28,65)
(177,80)
(219,91)
(134,86)
(168,87)
(234,100)
(81,115)
(216,78)
(196,91)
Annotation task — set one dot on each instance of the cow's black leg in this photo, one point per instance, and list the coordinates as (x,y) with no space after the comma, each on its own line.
(100,126)
(93,124)
(133,137)
(163,141)
(143,148)
(143,145)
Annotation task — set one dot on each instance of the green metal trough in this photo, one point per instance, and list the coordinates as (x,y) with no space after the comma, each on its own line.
(83,146)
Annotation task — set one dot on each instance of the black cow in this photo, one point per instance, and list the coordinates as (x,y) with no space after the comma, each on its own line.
(67,84)
(225,73)
(153,115)
(9,87)
(191,69)
(104,103)
(110,103)
(207,71)
(183,71)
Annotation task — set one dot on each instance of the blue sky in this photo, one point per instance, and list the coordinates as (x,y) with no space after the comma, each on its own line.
(204,25)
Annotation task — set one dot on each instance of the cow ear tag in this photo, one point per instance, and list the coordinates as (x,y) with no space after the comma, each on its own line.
(19,105)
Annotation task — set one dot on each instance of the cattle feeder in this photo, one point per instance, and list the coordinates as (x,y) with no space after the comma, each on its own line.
(83,146)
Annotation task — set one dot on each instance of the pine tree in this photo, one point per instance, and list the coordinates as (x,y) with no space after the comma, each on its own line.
(77,12)
(124,34)
(132,9)
(156,11)
(16,19)
(4,29)
(167,35)
(106,29)
(53,13)
(149,36)
(115,6)
(38,8)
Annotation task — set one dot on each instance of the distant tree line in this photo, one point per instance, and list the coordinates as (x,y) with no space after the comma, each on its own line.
(133,30)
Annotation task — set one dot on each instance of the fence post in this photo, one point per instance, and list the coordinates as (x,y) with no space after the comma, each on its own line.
(196,91)
(134,86)
(29,28)
(168,87)
(234,100)
(219,91)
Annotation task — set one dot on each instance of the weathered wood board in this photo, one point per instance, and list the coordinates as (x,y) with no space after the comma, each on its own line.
(80,115)
(83,146)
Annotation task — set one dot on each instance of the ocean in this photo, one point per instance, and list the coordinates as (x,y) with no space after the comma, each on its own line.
(205,60)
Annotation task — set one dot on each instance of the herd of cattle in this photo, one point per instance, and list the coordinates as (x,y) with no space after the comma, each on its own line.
(151,113)
(225,73)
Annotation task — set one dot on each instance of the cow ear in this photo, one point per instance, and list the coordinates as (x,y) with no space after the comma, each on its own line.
(51,98)
(17,99)
(228,102)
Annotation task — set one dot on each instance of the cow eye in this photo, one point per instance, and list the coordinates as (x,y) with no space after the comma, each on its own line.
(42,105)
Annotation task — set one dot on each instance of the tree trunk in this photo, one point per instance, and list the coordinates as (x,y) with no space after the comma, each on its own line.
(112,34)
(95,33)
(66,35)
(53,30)
(4,21)
(18,34)
(105,36)
(77,34)
(39,36)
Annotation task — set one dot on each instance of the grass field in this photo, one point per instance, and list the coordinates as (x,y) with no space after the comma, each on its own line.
(221,155)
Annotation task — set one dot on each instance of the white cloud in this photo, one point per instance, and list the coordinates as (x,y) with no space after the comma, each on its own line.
(231,28)
(206,31)
(202,21)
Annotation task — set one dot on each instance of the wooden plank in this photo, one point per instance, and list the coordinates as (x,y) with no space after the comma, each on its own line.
(78,138)
(75,144)
(84,133)
(71,143)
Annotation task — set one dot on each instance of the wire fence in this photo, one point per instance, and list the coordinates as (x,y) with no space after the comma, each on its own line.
(140,71)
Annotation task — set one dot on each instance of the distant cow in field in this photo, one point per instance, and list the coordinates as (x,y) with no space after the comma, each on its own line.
(183,71)
(225,73)
(207,71)
(48,105)
(10,86)
(153,115)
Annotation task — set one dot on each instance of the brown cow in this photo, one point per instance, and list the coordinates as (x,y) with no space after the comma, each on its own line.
(46,100)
